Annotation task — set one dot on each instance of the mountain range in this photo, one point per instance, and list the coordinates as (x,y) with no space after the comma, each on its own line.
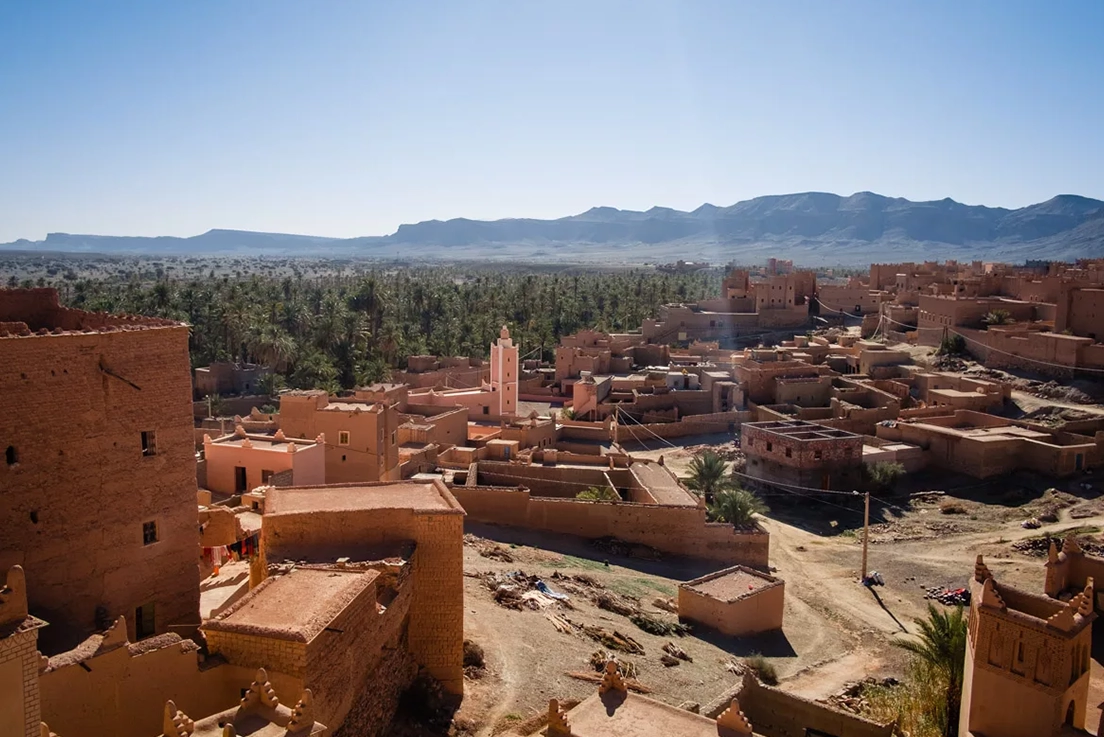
(811,228)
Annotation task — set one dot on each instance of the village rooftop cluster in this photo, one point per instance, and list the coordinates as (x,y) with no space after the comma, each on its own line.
(292,572)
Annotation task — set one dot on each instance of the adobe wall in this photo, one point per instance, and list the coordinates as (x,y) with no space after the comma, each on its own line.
(774,713)
(307,464)
(20,693)
(755,613)
(436,627)
(74,407)
(373,450)
(122,691)
(344,662)
(450,426)
(675,530)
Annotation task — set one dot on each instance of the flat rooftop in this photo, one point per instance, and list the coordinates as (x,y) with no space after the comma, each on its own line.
(420,497)
(352,406)
(262,442)
(801,430)
(632,715)
(664,488)
(732,583)
(295,606)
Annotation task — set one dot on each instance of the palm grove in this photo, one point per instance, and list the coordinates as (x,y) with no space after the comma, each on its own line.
(339,331)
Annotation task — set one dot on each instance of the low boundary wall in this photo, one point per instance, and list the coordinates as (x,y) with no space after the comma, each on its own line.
(676,530)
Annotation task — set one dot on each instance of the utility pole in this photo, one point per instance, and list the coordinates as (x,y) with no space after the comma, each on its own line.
(866,533)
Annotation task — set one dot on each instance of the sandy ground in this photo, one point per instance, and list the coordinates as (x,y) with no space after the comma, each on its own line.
(835,631)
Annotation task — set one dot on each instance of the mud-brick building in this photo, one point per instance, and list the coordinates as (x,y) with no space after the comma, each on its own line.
(321,524)
(98,467)
(801,453)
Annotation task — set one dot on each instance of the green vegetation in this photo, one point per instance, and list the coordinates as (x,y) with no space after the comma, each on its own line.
(883,476)
(599,494)
(708,475)
(764,669)
(938,658)
(736,506)
(352,324)
(952,345)
(998,317)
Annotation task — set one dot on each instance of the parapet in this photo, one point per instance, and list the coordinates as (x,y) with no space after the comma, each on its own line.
(260,714)
(36,312)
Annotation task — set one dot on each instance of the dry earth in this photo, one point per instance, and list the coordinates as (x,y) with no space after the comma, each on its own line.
(836,631)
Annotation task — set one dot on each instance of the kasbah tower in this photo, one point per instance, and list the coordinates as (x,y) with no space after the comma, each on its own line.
(98,472)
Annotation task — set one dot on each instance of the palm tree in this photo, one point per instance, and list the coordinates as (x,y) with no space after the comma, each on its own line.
(941,647)
(707,475)
(736,506)
(997,317)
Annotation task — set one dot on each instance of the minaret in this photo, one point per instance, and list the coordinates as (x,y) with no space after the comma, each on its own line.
(504,373)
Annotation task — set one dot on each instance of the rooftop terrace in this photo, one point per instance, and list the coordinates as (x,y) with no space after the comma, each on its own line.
(425,497)
(295,606)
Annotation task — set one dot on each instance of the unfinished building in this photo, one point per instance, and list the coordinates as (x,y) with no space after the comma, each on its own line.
(803,454)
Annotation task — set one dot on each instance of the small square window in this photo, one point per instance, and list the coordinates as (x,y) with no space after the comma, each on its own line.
(343,437)
(394,437)
(816,455)
(11,455)
(770,447)
(789,452)
(149,532)
(149,443)
(486,410)
(266,475)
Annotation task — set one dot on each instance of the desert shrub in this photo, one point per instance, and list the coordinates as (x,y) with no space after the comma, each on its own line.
(884,475)
(763,668)
(952,345)
(952,506)
(473,655)
(599,494)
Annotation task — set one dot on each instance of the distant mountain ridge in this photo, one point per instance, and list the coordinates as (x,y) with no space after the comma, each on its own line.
(810,228)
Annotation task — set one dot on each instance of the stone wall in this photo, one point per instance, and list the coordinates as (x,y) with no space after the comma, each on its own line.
(672,529)
(75,407)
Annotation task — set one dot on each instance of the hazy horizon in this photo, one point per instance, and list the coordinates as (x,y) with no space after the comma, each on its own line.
(344,120)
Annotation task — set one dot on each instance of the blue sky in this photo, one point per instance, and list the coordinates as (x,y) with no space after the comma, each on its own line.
(349,118)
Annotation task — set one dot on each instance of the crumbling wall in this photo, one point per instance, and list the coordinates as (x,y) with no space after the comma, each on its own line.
(436,627)
(121,691)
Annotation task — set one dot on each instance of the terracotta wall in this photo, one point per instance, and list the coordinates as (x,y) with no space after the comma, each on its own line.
(676,530)
(778,714)
(437,606)
(122,692)
(307,464)
(74,408)
(20,694)
(373,450)
(758,612)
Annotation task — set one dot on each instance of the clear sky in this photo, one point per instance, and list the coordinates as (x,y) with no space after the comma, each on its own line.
(349,118)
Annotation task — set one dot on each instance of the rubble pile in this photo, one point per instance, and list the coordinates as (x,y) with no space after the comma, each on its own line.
(852,698)
(1037,547)
(950,597)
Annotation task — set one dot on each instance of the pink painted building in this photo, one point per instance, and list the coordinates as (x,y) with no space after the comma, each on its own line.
(240,462)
